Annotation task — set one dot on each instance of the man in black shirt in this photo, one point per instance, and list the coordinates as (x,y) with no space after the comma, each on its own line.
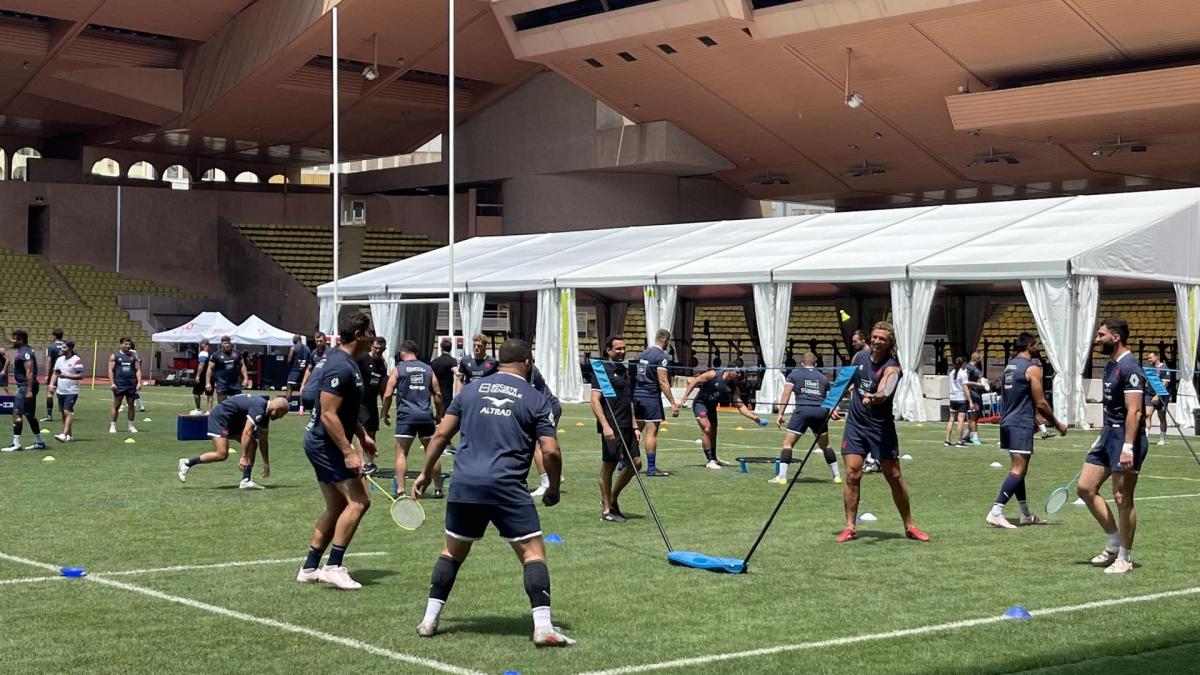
(374,373)
(53,351)
(618,431)
(443,368)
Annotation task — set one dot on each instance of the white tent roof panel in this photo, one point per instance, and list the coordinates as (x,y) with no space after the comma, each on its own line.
(748,262)
(539,262)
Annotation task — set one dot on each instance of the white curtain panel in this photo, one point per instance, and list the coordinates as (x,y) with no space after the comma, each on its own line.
(570,377)
(548,335)
(772,310)
(912,300)
(1084,309)
(326,316)
(660,302)
(650,302)
(1187,325)
(470,310)
(386,318)
(1052,306)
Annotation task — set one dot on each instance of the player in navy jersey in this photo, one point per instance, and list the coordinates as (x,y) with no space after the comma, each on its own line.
(297,360)
(476,366)
(336,462)
(53,351)
(419,406)
(1120,449)
(859,343)
(199,388)
(810,387)
(246,419)
(975,387)
(316,359)
(227,371)
(651,382)
(619,435)
(871,429)
(714,385)
(4,370)
(501,419)
(1023,400)
(1153,402)
(125,374)
(25,373)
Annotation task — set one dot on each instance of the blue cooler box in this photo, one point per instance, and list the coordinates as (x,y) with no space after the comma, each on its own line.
(191,428)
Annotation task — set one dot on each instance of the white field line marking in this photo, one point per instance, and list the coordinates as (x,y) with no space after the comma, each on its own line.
(1146,499)
(28,580)
(875,637)
(1196,480)
(270,623)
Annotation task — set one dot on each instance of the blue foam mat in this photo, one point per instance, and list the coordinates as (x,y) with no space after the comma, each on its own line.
(702,561)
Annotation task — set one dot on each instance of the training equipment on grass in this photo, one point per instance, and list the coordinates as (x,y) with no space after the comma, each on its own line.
(406,512)
(762,422)
(1058,499)
(906,457)
(1161,390)
(1017,613)
(744,461)
(868,517)
(73,572)
(995,465)
(701,561)
(554,538)
(48,458)
(607,392)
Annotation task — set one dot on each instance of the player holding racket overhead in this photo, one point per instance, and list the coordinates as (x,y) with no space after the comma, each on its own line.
(1119,451)
(501,418)
(871,429)
(338,465)
(713,386)
(1023,396)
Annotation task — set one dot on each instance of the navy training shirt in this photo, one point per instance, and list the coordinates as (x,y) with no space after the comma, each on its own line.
(374,372)
(55,350)
(500,420)
(226,369)
(25,355)
(338,375)
(876,418)
(539,383)
(645,384)
(1121,377)
(712,391)
(414,393)
(471,368)
(810,386)
(233,412)
(1017,396)
(300,356)
(125,369)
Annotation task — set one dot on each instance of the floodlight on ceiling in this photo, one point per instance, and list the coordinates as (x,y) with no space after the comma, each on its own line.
(993,157)
(371,72)
(1119,145)
(863,170)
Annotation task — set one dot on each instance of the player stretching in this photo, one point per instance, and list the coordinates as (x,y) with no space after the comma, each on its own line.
(502,418)
(1023,396)
(1120,450)
(245,418)
(810,386)
(713,386)
(871,429)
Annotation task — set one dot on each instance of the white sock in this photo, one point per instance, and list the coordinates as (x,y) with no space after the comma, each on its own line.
(544,480)
(783,469)
(1123,553)
(16,440)
(1162,436)
(1042,428)
(1114,542)
(541,619)
(997,510)
(974,436)
(833,468)
(433,609)
(1024,508)
(112,425)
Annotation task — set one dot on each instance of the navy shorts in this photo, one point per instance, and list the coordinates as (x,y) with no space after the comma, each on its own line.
(1017,440)
(705,411)
(368,417)
(1107,450)
(414,429)
(125,390)
(467,521)
(878,444)
(66,402)
(809,418)
(648,409)
(958,407)
(3,379)
(330,466)
(229,391)
(295,377)
(1160,406)
(614,451)
(23,405)
(976,410)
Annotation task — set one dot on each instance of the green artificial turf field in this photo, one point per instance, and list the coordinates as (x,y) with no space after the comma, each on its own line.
(882,604)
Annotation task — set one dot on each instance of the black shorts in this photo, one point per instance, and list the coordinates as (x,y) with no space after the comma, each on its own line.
(809,418)
(1017,440)
(66,402)
(648,409)
(614,451)
(25,405)
(1161,406)
(467,521)
(878,444)
(198,388)
(705,411)
(368,417)
(3,379)
(958,407)
(330,466)
(414,429)
(1106,451)
(125,390)
(976,410)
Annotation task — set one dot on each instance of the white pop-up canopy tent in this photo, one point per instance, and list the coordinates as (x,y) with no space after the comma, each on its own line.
(204,326)
(255,331)
(1056,248)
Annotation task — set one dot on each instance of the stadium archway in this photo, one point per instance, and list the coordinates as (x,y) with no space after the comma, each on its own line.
(246,177)
(178,176)
(278,179)
(107,167)
(214,176)
(143,171)
(19,162)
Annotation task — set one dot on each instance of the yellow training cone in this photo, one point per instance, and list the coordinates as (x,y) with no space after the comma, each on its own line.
(739,428)
(562,430)
(130,440)
(579,424)
(48,458)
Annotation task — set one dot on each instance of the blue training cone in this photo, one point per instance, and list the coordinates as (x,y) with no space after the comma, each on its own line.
(1017,613)
(553,538)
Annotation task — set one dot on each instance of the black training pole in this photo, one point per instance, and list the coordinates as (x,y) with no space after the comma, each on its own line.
(638,477)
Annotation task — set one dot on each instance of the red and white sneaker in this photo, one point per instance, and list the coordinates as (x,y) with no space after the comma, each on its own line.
(551,638)
(848,534)
(916,534)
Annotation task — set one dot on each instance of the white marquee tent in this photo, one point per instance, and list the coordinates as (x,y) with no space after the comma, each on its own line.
(255,331)
(204,326)
(1057,249)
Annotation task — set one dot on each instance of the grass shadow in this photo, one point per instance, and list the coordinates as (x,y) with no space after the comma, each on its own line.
(517,623)
(371,577)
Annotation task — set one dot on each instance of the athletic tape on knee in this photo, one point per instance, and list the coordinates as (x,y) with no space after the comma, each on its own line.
(537,583)
(445,571)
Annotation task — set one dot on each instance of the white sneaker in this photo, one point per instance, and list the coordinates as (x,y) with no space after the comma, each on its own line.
(196,411)
(132,429)
(712,464)
(112,428)
(1119,566)
(551,638)
(541,490)
(338,577)
(427,628)
(778,480)
(1105,558)
(62,438)
(999,521)
(1032,519)
(1160,442)
(248,484)
(723,462)
(17,447)
(308,576)
(183,469)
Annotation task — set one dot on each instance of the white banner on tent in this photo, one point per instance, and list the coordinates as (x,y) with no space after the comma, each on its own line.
(386,318)
(772,311)
(911,301)
(1187,326)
